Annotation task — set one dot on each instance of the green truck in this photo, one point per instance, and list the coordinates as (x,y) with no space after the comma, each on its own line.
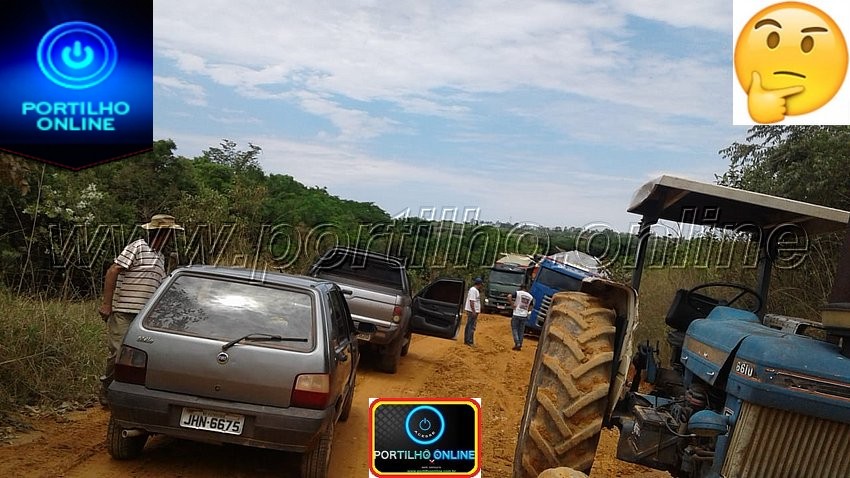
(506,275)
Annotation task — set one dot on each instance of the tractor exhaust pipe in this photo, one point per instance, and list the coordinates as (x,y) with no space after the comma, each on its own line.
(836,314)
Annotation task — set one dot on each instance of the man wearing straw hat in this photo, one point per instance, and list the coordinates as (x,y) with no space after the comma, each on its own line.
(130,281)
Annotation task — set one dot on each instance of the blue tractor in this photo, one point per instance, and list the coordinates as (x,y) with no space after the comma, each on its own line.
(747,393)
(561,272)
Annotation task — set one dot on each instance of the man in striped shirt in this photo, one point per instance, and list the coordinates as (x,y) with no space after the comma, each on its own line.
(130,281)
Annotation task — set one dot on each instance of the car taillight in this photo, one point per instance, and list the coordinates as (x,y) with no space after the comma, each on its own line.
(311,390)
(131,365)
(397,314)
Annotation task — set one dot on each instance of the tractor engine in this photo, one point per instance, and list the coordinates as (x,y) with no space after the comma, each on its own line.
(668,433)
(757,398)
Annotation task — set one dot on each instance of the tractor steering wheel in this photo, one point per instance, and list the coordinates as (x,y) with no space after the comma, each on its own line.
(698,301)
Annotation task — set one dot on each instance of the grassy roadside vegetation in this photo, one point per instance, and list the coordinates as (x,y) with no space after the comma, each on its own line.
(797,291)
(51,351)
(657,290)
(658,287)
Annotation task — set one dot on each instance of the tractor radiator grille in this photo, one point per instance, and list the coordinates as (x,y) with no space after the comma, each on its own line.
(781,444)
(544,309)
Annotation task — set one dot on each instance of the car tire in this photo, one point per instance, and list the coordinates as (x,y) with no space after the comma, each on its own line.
(568,390)
(390,356)
(316,460)
(346,405)
(408,338)
(123,448)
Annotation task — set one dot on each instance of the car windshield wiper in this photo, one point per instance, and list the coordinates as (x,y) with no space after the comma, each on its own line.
(263,338)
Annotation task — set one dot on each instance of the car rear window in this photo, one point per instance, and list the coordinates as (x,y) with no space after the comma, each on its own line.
(216,308)
(362,267)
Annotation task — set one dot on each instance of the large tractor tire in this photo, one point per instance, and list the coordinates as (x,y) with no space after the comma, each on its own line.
(568,391)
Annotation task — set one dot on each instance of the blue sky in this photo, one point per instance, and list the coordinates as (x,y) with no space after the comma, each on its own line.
(545,112)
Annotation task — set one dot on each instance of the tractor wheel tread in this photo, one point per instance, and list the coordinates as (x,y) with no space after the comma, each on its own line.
(568,393)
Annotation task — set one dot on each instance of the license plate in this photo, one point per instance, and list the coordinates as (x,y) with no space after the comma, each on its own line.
(212,421)
(365,336)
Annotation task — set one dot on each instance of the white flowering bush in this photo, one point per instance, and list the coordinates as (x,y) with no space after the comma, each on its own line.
(74,207)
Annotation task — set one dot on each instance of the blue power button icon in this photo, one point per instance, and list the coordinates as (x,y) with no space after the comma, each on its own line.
(424,425)
(77,55)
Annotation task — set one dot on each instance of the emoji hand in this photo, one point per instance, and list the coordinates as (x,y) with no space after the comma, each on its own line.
(768,106)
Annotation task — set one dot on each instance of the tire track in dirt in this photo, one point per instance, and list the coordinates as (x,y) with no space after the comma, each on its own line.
(499,376)
(443,368)
(58,445)
(349,455)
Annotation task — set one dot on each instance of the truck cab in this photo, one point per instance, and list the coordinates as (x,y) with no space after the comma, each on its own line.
(506,276)
(559,272)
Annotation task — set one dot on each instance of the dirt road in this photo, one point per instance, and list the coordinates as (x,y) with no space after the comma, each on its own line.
(73,446)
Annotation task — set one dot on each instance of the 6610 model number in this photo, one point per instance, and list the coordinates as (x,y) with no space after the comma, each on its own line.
(744,368)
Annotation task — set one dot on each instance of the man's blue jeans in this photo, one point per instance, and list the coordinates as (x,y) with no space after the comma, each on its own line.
(469,330)
(518,329)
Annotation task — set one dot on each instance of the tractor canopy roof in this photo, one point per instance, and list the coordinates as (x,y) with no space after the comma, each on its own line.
(693,202)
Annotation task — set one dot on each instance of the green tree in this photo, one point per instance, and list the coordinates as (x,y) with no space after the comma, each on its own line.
(239,161)
(806,163)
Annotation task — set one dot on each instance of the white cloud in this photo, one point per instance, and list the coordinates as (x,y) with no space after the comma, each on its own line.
(425,106)
(708,14)
(190,93)
(234,117)
(433,57)
(353,124)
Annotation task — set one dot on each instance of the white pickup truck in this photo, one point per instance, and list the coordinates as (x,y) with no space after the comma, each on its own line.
(386,314)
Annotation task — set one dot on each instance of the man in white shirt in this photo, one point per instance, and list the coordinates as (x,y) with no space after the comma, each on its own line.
(131,280)
(522,302)
(472,308)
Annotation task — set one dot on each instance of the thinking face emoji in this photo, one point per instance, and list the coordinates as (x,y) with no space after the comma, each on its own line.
(791,59)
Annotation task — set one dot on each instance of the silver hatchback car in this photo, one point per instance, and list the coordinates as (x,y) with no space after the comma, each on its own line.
(228,355)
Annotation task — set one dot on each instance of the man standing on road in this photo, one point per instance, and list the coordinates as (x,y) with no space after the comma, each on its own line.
(472,308)
(522,302)
(130,281)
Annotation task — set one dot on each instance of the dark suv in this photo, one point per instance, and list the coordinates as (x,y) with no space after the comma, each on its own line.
(237,356)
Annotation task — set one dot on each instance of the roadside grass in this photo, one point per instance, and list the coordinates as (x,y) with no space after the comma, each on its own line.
(51,351)
(658,287)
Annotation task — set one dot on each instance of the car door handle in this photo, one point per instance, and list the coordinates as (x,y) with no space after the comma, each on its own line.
(341,356)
